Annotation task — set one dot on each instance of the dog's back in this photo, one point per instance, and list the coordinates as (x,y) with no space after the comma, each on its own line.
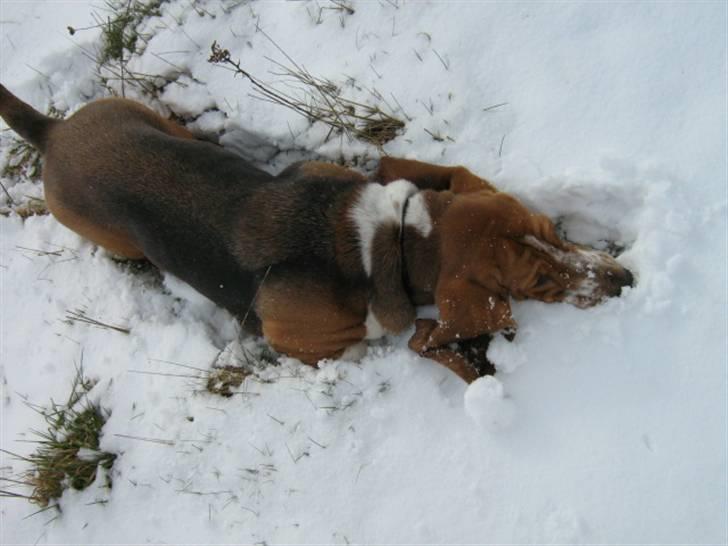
(142,186)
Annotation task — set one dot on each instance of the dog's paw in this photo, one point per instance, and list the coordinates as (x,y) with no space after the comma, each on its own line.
(467,358)
(419,340)
(475,351)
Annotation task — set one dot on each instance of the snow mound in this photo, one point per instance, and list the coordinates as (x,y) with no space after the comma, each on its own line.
(487,405)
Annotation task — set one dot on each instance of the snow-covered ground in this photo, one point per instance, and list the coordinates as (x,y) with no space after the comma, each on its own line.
(601,426)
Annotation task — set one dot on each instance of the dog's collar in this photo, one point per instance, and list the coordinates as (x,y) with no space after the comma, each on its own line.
(405,272)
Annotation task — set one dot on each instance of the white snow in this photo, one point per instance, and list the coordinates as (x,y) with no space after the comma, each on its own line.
(487,405)
(605,425)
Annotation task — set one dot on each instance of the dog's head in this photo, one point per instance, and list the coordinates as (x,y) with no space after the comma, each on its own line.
(493,248)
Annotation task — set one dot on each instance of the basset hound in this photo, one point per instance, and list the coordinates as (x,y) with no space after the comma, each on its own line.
(319,258)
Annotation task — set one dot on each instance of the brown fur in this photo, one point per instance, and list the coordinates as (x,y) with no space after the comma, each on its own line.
(319,169)
(284,252)
(114,241)
(310,319)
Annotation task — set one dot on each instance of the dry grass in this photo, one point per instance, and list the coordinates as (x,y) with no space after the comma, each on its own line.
(68,454)
(32,207)
(227,373)
(24,161)
(319,100)
(225,380)
(79,315)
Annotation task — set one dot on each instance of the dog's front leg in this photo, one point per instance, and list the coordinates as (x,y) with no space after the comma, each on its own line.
(467,358)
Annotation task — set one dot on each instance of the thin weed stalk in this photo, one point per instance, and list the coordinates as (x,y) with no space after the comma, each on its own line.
(319,100)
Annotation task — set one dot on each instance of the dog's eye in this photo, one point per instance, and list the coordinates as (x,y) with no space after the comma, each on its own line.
(542,281)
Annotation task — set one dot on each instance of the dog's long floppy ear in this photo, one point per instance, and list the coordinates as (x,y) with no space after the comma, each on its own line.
(468,310)
(389,300)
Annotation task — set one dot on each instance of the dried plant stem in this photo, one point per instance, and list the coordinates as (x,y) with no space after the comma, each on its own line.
(10,199)
(320,100)
(79,315)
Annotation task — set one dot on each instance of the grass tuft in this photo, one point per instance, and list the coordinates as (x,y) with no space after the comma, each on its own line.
(68,454)
(24,161)
(121,39)
(225,379)
(119,32)
(32,207)
(230,368)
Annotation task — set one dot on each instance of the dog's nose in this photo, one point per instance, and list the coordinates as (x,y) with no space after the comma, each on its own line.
(617,279)
(628,278)
(621,279)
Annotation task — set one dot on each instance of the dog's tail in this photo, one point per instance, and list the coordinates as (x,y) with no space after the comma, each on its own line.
(24,119)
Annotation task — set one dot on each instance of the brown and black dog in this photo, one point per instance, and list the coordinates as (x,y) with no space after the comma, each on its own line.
(323,257)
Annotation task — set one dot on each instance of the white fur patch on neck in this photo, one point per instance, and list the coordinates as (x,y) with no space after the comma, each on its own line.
(417,215)
(378,205)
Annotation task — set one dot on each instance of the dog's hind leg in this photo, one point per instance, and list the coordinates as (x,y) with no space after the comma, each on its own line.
(308,318)
(113,241)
